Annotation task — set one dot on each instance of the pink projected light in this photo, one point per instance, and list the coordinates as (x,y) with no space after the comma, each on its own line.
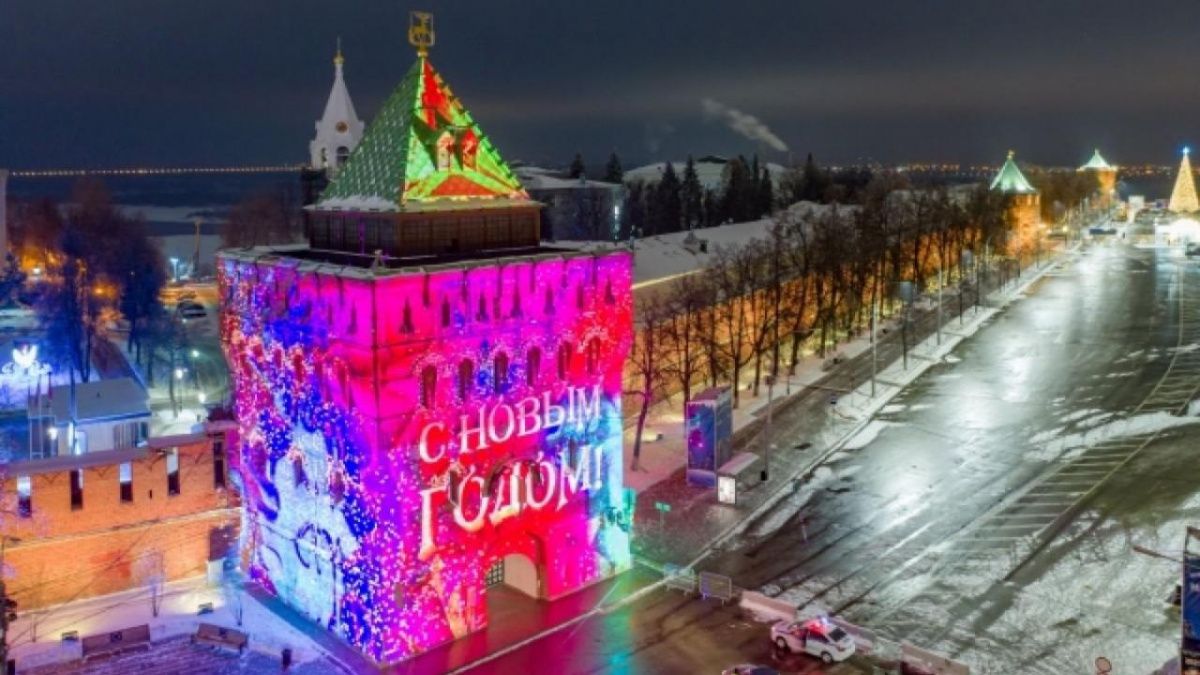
(402,433)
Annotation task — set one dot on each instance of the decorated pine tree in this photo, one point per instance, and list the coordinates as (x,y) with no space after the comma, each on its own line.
(1183,197)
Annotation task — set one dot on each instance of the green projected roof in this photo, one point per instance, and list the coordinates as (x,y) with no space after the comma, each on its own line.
(1097,162)
(1010,179)
(421,150)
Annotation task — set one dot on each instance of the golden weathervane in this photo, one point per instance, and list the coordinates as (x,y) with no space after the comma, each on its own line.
(420,31)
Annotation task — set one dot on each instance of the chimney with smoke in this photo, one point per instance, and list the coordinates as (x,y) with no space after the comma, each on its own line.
(744,124)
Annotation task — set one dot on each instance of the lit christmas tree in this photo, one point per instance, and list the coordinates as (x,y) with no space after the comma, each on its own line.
(1183,197)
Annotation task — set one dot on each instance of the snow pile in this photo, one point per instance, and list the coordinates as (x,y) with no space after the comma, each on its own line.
(1073,445)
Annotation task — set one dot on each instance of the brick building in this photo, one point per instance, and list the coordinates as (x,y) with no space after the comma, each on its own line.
(102,522)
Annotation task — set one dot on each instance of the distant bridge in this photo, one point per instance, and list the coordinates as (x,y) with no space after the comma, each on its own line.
(153,171)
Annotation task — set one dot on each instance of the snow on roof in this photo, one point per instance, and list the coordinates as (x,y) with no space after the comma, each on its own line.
(1010,179)
(709,170)
(1096,162)
(537,178)
(662,257)
(117,398)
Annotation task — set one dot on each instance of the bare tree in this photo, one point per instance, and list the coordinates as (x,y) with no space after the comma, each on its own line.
(732,277)
(683,331)
(647,361)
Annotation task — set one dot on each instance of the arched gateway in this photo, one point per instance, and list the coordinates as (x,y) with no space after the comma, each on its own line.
(402,432)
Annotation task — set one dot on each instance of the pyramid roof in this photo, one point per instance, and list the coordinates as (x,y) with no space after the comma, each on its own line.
(423,150)
(1097,162)
(1011,180)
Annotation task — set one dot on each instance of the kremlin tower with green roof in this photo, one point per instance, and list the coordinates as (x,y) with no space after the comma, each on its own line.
(1106,178)
(1024,206)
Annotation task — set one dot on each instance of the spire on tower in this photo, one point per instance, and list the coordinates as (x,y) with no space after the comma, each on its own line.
(339,130)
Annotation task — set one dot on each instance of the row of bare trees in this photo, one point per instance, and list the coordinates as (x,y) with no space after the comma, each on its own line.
(756,308)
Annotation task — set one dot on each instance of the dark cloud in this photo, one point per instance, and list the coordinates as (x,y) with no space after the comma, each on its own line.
(227,81)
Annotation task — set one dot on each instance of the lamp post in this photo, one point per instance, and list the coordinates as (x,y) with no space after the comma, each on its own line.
(766,472)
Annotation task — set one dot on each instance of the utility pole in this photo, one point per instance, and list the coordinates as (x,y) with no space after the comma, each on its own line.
(766,472)
(874,342)
(940,290)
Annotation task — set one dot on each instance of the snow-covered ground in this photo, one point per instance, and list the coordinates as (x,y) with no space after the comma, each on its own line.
(35,637)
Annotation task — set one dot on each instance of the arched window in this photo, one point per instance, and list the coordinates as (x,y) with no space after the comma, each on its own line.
(533,365)
(445,314)
(549,308)
(343,154)
(501,375)
(516,311)
(428,386)
(466,374)
(406,324)
(445,143)
(579,296)
(324,158)
(482,314)
(593,355)
(468,148)
(564,360)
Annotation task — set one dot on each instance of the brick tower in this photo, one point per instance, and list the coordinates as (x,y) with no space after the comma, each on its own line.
(428,398)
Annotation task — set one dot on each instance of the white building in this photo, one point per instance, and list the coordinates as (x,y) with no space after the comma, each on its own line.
(108,415)
(339,130)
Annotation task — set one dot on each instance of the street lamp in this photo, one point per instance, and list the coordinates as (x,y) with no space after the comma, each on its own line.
(174,269)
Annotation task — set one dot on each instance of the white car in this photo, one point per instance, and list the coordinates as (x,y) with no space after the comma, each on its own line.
(818,637)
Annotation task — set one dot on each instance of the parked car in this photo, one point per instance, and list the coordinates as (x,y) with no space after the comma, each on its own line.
(190,310)
(1191,250)
(749,669)
(818,637)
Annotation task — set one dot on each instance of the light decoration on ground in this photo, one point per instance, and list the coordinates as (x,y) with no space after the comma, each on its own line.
(378,488)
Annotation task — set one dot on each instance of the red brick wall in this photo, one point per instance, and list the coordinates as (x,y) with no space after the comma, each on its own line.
(109,545)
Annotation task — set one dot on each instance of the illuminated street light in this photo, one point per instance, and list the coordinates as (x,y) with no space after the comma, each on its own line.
(195,353)
(202,397)
(179,373)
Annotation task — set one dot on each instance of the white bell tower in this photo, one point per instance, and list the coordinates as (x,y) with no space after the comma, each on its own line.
(339,130)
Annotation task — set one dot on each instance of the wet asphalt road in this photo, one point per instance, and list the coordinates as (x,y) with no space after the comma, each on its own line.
(966,518)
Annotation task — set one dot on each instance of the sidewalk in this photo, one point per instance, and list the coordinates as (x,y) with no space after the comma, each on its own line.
(807,429)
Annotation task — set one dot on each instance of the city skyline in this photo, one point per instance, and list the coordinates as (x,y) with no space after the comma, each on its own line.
(935,83)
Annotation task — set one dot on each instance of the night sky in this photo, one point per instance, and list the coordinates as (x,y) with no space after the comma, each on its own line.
(223,82)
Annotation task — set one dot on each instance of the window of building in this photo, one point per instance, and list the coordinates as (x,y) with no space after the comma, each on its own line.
(445,314)
(579,296)
(466,373)
(501,375)
(593,356)
(428,385)
(76,489)
(24,496)
(445,143)
(173,471)
(549,308)
(126,435)
(126,477)
(218,447)
(533,365)
(406,322)
(343,154)
(482,313)
(564,360)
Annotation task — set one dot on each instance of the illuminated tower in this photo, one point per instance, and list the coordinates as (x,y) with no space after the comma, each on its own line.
(1024,205)
(1183,196)
(339,130)
(1106,178)
(429,400)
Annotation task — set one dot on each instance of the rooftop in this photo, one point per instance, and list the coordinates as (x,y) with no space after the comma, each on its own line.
(1010,180)
(117,398)
(423,148)
(1098,163)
